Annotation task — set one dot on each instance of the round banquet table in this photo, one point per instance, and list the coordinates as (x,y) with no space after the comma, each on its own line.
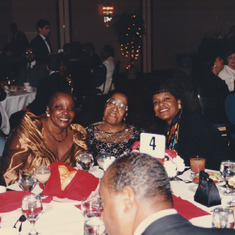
(14,102)
(64,217)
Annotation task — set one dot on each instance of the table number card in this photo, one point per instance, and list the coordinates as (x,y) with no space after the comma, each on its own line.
(152,144)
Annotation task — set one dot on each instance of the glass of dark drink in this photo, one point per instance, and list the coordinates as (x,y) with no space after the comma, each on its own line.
(27,181)
(85,161)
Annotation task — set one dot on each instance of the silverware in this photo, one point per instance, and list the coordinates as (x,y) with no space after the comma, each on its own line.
(22,219)
(19,220)
(185,181)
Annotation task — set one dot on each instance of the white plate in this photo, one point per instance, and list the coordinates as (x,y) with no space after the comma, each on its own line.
(202,221)
(2,189)
(96,171)
(65,200)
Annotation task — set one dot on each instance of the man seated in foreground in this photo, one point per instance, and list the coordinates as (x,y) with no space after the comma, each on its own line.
(136,198)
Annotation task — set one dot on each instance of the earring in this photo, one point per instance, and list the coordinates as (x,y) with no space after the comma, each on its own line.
(179,106)
(124,119)
(47,113)
(103,119)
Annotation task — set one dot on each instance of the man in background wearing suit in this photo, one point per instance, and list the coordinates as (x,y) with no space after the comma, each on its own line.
(136,198)
(31,70)
(41,44)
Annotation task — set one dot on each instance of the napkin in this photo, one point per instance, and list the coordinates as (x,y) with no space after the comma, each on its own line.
(12,200)
(81,186)
(187,209)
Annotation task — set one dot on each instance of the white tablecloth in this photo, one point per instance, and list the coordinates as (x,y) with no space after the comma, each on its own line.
(62,217)
(187,191)
(14,102)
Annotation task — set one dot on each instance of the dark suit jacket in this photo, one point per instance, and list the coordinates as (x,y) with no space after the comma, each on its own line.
(34,75)
(197,137)
(40,49)
(177,225)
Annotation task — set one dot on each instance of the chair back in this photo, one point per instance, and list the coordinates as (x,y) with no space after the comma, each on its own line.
(2,145)
(230,108)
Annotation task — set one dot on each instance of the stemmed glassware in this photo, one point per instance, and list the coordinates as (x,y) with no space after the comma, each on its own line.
(92,210)
(226,170)
(104,160)
(42,174)
(26,180)
(85,161)
(231,184)
(32,208)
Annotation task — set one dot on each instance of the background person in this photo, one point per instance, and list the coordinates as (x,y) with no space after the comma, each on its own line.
(213,90)
(136,198)
(18,40)
(41,44)
(228,72)
(31,70)
(42,140)
(113,135)
(46,87)
(188,133)
(107,55)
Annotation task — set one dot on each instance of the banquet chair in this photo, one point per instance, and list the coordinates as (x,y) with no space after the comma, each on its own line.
(2,145)
(230,112)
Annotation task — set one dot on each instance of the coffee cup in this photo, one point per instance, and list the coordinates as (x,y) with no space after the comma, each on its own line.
(26,84)
(29,89)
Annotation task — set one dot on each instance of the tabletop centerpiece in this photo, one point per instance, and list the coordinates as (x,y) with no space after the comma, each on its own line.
(172,162)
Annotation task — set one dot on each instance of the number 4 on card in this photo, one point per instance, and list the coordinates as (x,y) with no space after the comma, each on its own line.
(152,144)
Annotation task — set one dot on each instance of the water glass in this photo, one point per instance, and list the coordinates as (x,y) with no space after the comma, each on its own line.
(92,210)
(104,160)
(32,208)
(223,218)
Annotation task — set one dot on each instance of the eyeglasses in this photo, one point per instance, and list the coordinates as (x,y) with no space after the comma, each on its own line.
(231,57)
(28,52)
(112,103)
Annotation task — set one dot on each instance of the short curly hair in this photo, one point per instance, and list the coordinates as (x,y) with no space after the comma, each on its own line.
(141,172)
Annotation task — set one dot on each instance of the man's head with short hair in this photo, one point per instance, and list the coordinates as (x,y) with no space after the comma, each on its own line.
(134,187)
(43,27)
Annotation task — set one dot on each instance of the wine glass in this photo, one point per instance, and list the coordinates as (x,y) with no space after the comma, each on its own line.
(85,161)
(26,180)
(32,208)
(226,172)
(42,174)
(104,160)
(231,183)
(91,210)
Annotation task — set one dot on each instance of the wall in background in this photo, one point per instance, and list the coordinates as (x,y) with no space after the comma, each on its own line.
(178,25)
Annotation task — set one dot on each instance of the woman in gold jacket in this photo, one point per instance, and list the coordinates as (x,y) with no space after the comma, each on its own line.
(42,140)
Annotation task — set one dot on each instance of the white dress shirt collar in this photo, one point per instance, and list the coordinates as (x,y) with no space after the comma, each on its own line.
(149,220)
(44,39)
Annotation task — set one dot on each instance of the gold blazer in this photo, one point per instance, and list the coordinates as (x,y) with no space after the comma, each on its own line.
(26,148)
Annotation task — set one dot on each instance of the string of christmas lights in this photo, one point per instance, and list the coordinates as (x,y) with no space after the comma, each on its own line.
(130,36)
